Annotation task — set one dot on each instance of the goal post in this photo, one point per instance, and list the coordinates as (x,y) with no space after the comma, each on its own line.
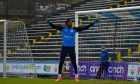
(5,48)
(105,10)
(116,26)
(15,52)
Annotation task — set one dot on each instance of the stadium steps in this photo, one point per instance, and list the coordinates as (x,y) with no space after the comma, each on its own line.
(54,42)
(136,54)
(135,3)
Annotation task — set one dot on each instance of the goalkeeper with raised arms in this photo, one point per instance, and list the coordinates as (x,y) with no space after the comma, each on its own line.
(68,45)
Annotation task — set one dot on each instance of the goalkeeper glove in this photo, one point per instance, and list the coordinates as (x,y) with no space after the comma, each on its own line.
(48,21)
(95,21)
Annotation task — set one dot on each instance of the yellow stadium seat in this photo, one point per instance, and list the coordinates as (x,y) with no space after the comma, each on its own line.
(57,31)
(34,41)
(73,24)
(50,33)
(129,52)
(26,44)
(125,2)
(119,56)
(110,59)
(118,5)
(89,17)
(0,54)
(42,38)
(17,47)
(9,52)
(132,0)
(138,47)
(80,21)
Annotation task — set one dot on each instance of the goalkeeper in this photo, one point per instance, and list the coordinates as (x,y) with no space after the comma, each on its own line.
(103,62)
(68,45)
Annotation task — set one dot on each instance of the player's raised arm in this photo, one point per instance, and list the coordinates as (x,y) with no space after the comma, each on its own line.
(80,28)
(55,26)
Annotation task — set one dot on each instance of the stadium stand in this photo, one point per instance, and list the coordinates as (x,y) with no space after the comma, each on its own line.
(46,42)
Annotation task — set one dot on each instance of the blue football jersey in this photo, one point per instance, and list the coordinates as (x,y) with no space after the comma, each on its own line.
(68,36)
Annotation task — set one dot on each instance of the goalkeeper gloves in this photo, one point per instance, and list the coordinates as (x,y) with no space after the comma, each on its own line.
(95,21)
(48,21)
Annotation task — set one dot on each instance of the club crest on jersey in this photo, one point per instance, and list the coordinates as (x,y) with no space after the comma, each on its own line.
(72,30)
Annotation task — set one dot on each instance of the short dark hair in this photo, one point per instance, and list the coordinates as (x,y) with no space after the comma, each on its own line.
(103,47)
(68,20)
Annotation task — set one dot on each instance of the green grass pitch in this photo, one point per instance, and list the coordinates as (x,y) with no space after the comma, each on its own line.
(64,81)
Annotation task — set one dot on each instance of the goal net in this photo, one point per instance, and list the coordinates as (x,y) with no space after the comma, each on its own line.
(119,32)
(16,59)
